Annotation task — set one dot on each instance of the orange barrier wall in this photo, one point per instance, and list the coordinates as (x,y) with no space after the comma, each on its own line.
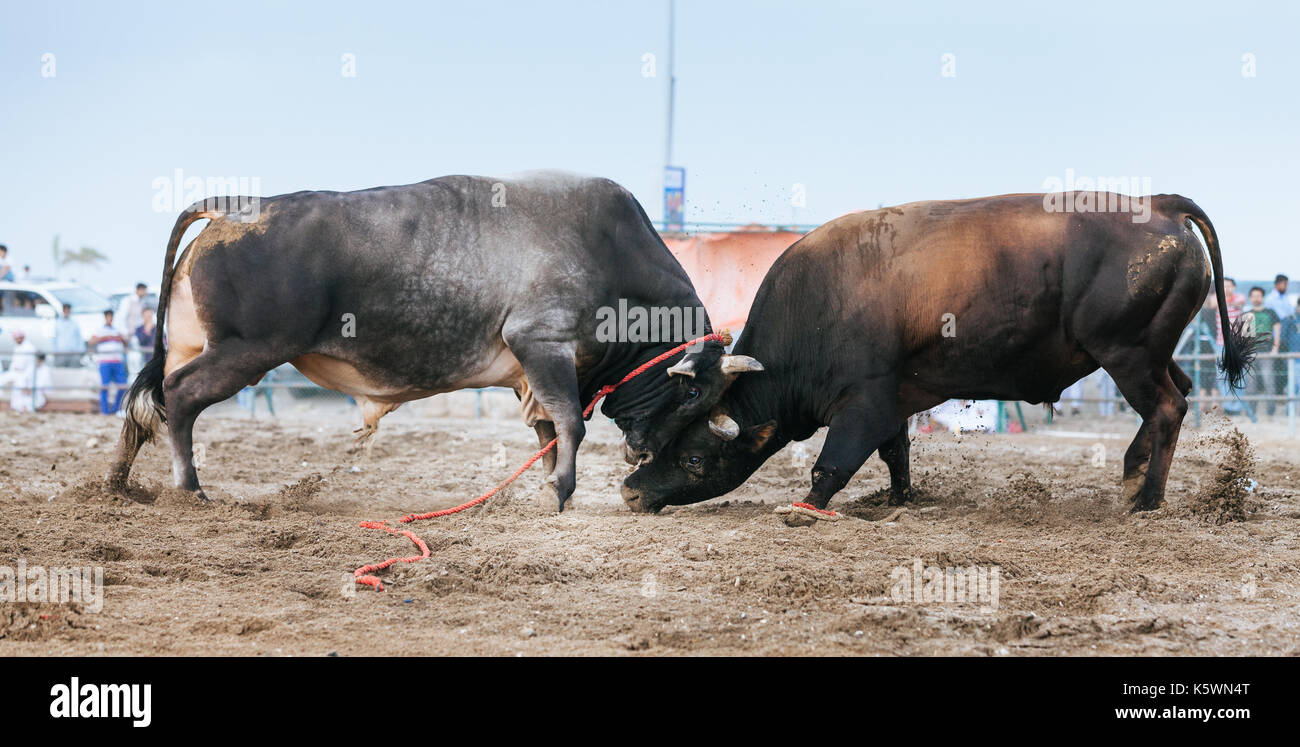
(727,268)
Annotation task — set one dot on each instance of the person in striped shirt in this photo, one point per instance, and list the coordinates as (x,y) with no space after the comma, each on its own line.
(110,353)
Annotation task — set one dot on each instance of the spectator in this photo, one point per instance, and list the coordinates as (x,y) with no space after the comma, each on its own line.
(1276,298)
(21,372)
(69,345)
(143,335)
(1206,386)
(129,312)
(110,349)
(1235,302)
(27,273)
(1290,343)
(1290,337)
(1268,331)
(6,269)
(44,381)
(31,396)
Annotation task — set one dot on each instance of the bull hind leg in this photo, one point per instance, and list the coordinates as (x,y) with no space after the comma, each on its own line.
(896,454)
(216,375)
(545,432)
(1172,408)
(1182,382)
(1138,456)
(536,416)
(1158,396)
(1136,459)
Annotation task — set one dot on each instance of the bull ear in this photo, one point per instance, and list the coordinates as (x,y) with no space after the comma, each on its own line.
(685,368)
(738,364)
(758,436)
(722,426)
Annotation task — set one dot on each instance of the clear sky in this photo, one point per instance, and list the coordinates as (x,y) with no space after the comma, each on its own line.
(846,99)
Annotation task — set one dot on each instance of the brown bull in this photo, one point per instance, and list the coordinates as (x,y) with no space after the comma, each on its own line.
(882,314)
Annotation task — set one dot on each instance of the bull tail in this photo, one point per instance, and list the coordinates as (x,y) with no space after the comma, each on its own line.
(1238,345)
(145,409)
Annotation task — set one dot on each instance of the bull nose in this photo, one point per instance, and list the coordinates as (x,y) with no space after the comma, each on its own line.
(632,498)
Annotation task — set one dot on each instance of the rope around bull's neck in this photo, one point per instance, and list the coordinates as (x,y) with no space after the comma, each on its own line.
(363,575)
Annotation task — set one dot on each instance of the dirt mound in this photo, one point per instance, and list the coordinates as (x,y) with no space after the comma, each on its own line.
(93,490)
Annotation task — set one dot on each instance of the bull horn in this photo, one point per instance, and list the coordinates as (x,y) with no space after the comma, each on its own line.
(685,368)
(722,426)
(738,364)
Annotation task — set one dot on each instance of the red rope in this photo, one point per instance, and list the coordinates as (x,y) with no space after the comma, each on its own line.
(362,574)
(811,507)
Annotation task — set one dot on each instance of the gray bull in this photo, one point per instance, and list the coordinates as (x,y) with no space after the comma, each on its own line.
(397,293)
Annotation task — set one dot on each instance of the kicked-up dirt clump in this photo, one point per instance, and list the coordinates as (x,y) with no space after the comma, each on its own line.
(1224,499)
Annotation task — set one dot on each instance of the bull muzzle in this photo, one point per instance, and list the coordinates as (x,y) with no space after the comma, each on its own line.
(636,501)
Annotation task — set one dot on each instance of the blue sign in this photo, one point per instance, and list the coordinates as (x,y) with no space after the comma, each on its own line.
(674,198)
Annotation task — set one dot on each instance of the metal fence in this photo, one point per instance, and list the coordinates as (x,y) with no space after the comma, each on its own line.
(75,384)
(1272,391)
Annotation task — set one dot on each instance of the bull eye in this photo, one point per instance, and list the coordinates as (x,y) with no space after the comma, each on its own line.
(693,462)
(693,392)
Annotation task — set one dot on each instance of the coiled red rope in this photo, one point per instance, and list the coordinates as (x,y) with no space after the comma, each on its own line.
(363,575)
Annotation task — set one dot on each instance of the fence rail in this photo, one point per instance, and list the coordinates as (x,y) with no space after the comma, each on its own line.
(1276,383)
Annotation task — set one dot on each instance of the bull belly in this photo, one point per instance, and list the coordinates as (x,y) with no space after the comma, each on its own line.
(342,376)
(1030,376)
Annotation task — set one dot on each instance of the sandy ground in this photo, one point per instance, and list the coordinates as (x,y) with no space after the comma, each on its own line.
(266,567)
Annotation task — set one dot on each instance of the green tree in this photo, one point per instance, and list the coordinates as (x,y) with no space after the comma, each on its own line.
(85,256)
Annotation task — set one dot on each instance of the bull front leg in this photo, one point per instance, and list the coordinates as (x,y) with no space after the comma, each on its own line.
(856,431)
(553,378)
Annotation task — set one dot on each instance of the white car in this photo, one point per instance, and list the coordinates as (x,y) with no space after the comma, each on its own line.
(33,308)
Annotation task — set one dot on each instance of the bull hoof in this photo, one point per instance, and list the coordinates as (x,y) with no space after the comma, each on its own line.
(560,495)
(551,499)
(1133,485)
(1143,506)
(900,498)
(115,483)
